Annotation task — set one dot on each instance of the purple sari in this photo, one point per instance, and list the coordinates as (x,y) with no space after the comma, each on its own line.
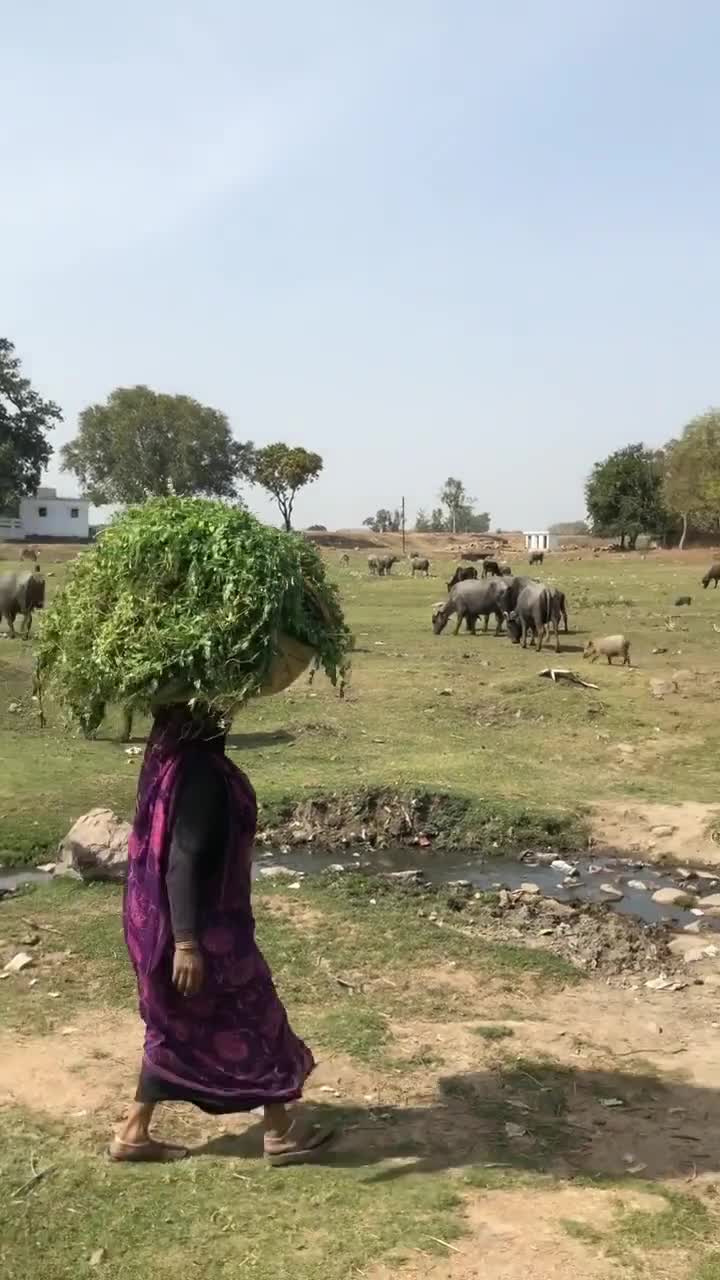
(229,1048)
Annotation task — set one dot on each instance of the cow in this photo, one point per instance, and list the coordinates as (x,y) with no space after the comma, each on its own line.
(537,609)
(22,593)
(462,574)
(469,601)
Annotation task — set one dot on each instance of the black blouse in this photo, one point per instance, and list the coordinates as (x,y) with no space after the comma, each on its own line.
(197,845)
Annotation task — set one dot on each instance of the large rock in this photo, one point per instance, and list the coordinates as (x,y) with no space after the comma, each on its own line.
(711,904)
(95,848)
(673,898)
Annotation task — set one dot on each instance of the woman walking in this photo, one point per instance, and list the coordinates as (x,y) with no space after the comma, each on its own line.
(216,1033)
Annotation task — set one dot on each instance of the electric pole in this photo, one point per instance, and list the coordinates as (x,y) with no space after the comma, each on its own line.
(402,525)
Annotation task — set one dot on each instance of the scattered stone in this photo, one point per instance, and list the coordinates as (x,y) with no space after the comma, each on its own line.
(706,875)
(696,911)
(275,873)
(662,688)
(336,867)
(414,876)
(446,693)
(660,649)
(14,707)
(46,867)
(710,900)
(695,927)
(612,1102)
(98,1257)
(558,864)
(663,832)
(674,898)
(700,953)
(19,962)
(95,848)
(637,884)
(611,892)
(530,888)
(514,1130)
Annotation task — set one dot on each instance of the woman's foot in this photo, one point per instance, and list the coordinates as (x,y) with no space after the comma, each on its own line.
(297,1144)
(147,1151)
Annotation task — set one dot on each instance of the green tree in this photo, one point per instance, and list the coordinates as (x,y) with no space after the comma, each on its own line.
(570,528)
(453,495)
(24,420)
(282,470)
(422,521)
(691,483)
(470,521)
(624,494)
(384,521)
(143,444)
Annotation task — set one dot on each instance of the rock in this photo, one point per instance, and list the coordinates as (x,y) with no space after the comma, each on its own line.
(637,884)
(530,888)
(559,865)
(46,867)
(673,898)
(662,832)
(611,892)
(276,873)
(14,707)
(446,693)
(414,876)
(695,927)
(710,900)
(95,847)
(19,962)
(98,1257)
(337,868)
(662,688)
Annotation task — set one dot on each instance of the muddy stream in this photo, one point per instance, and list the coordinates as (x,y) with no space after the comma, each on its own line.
(565,879)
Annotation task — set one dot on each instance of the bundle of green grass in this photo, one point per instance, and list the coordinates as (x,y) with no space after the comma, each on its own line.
(184,599)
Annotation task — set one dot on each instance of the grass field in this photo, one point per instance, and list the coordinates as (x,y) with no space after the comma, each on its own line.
(462,715)
(500,1114)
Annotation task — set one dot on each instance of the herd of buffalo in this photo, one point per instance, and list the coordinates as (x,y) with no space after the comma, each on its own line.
(525,606)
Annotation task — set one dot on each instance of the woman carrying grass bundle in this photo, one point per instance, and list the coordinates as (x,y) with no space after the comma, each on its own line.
(161,631)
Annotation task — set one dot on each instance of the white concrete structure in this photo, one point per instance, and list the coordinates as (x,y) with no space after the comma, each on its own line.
(541,540)
(11,530)
(49,517)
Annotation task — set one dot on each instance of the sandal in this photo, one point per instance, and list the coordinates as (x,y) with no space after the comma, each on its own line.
(298,1144)
(147,1152)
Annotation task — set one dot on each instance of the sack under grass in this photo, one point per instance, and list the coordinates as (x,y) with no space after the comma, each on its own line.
(187,599)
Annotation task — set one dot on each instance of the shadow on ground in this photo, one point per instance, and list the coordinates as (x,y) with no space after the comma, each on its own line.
(528,1117)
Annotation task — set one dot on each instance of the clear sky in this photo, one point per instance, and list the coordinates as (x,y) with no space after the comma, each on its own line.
(423,237)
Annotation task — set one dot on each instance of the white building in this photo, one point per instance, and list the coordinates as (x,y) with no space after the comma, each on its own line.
(541,540)
(48,518)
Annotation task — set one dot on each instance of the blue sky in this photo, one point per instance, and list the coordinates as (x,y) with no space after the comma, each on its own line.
(423,237)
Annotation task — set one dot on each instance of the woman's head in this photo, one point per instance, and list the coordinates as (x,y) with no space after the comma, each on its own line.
(196,722)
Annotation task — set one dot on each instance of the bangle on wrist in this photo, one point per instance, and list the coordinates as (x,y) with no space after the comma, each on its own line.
(186,945)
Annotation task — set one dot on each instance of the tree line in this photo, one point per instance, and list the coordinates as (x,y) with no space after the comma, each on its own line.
(139,444)
(456,514)
(670,492)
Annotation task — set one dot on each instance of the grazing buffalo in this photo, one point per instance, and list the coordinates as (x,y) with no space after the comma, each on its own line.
(470,601)
(537,557)
(537,610)
(381,565)
(560,597)
(462,574)
(373,566)
(419,564)
(491,568)
(712,575)
(22,593)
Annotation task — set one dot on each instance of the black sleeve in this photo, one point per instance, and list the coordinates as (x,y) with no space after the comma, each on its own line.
(193,852)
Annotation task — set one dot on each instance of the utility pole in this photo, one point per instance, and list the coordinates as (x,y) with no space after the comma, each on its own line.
(402,525)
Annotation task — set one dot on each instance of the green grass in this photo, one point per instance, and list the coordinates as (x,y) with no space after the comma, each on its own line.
(216,1216)
(681,1224)
(493,1032)
(375,950)
(512,752)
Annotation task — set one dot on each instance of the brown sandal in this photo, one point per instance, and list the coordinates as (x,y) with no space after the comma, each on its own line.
(147,1152)
(299,1143)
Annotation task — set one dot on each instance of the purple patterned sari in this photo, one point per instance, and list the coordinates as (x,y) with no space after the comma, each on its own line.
(229,1048)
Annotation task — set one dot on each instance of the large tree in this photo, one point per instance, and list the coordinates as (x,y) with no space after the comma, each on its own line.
(453,495)
(692,474)
(624,494)
(384,521)
(282,469)
(24,420)
(143,443)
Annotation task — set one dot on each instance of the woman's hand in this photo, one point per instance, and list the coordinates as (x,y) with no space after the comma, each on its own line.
(188,968)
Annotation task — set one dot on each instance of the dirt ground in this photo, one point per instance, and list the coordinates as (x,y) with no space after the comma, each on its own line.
(685,832)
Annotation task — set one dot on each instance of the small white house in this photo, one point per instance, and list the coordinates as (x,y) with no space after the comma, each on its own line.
(46,516)
(540,540)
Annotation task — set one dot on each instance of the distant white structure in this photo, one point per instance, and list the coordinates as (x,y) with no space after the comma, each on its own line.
(49,518)
(541,540)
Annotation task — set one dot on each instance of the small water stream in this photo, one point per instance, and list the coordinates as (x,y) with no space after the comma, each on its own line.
(583,885)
